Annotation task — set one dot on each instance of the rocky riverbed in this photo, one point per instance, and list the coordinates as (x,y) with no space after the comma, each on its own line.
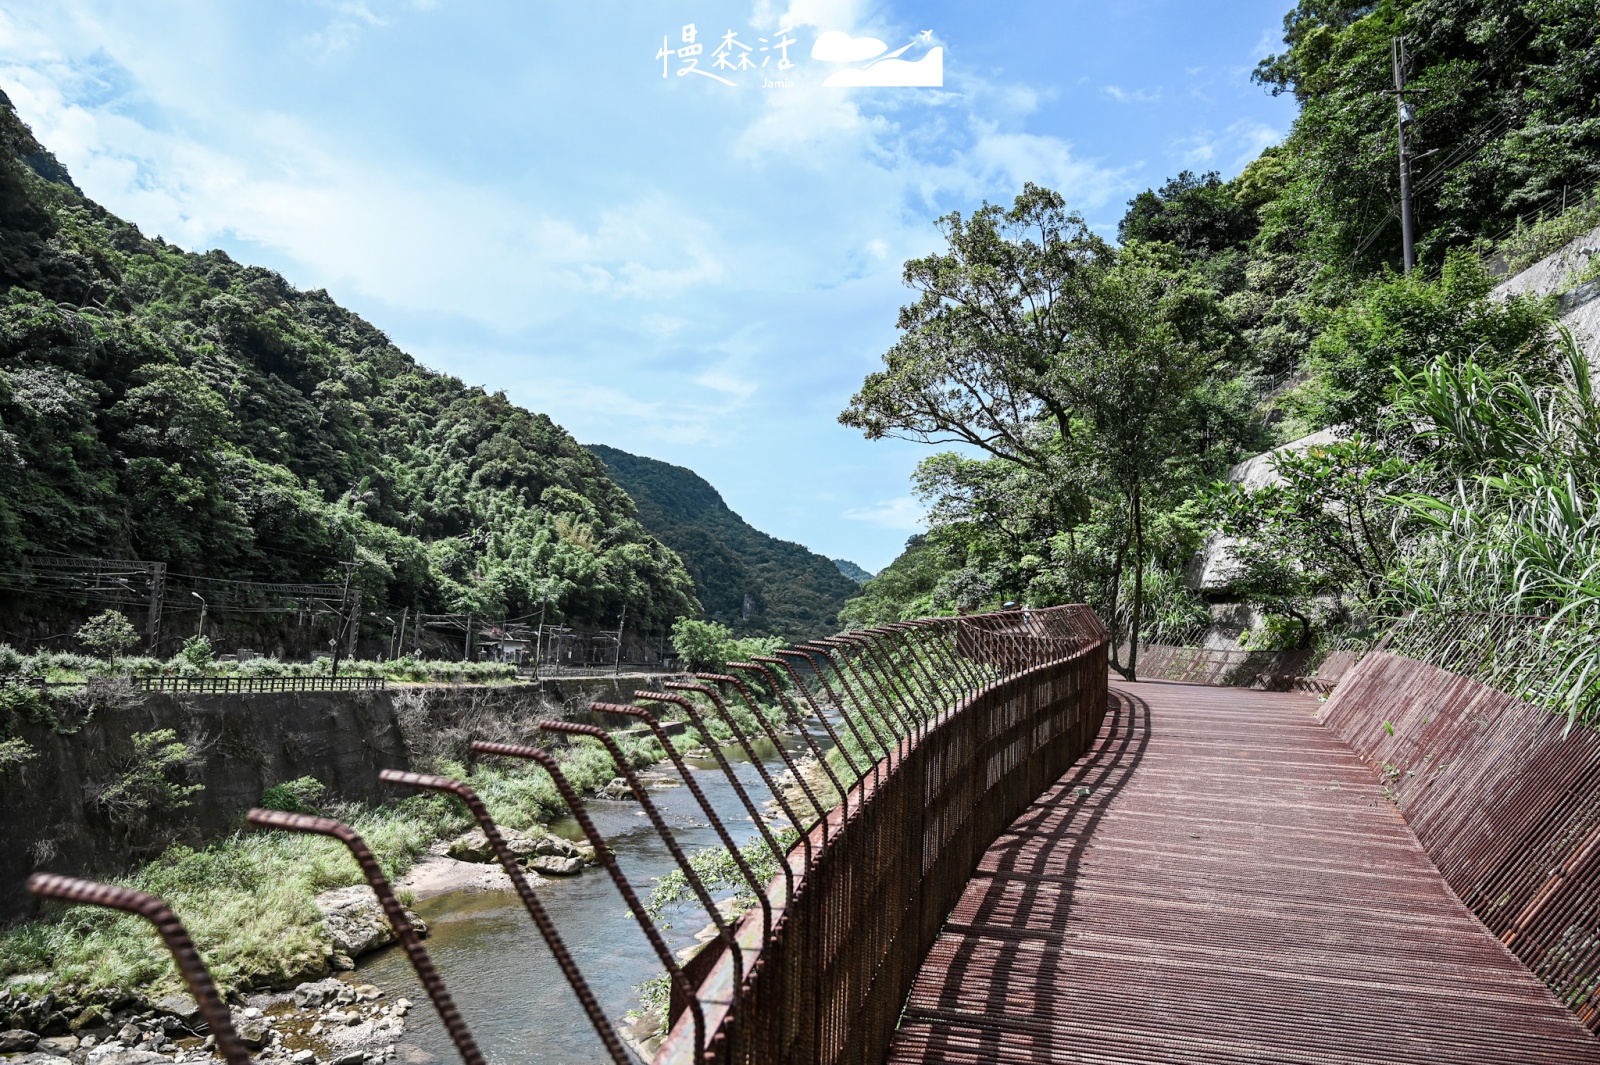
(327,1021)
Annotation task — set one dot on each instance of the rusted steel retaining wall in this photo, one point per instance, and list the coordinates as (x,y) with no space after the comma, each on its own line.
(1505,800)
(830,984)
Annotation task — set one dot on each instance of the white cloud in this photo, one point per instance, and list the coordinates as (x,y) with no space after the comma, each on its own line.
(1235,146)
(999,161)
(1132,96)
(351,18)
(903,513)
(828,14)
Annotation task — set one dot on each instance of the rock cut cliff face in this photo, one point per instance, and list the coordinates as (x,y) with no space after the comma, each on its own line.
(1212,568)
(1578,305)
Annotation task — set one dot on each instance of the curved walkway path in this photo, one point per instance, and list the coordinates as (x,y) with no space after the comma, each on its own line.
(1222,880)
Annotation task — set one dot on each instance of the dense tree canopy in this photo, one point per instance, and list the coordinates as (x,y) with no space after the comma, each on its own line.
(752,583)
(158,404)
(1274,307)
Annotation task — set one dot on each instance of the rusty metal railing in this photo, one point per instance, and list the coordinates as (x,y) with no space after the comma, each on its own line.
(889,863)
(1502,794)
(940,732)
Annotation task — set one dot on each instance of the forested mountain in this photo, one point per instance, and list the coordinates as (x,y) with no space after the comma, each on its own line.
(163,405)
(1112,384)
(754,583)
(851,570)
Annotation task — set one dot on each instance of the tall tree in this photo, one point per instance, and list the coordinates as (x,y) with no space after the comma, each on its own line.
(1038,343)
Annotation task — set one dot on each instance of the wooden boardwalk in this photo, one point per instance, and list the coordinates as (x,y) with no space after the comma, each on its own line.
(1233,887)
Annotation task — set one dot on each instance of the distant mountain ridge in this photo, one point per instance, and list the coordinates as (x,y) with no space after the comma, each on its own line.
(853,571)
(752,582)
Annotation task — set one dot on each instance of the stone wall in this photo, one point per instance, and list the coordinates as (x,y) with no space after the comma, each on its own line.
(247,743)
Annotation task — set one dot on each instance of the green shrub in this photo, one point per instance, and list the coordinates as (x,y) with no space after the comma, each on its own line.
(1527,244)
(144,789)
(18,703)
(299,796)
(197,652)
(15,751)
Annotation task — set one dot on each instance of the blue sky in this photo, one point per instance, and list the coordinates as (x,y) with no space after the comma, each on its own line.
(680,268)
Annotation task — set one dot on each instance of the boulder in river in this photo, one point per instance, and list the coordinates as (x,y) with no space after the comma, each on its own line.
(354,922)
(555,865)
(329,992)
(181,1006)
(116,1054)
(474,847)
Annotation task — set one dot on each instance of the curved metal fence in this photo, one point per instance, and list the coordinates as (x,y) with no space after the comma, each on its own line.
(889,863)
(1503,795)
(939,733)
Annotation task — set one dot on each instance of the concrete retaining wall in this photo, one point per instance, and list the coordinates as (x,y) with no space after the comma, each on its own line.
(247,743)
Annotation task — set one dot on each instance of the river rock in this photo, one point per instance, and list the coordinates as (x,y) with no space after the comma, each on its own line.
(617,789)
(474,846)
(113,1054)
(354,922)
(90,1017)
(17,1041)
(59,1044)
(555,847)
(321,992)
(181,1006)
(555,866)
(253,1032)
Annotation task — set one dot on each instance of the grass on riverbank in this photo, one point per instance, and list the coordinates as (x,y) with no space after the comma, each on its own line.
(248,899)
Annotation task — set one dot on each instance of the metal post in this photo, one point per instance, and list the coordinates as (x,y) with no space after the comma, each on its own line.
(355,621)
(344,596)
(1398,50)
(158,589)
(616,667)
(200,630)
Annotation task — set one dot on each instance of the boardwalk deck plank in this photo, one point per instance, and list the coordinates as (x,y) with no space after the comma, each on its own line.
(1235,888)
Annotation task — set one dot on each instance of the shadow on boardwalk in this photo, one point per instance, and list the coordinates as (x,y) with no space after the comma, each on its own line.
(1232,888)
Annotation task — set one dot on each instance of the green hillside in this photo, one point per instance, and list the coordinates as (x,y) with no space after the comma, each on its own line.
(749,581)
(853,571)
(162,405)
(1446,457)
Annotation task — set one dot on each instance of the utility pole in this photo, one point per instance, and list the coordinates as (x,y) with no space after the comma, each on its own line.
(344,600)
(1398,50)
(400,637)
(538,641)
(468,656)
(616,667)
(158,588)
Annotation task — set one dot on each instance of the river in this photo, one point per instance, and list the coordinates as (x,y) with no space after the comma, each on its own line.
(509,990)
